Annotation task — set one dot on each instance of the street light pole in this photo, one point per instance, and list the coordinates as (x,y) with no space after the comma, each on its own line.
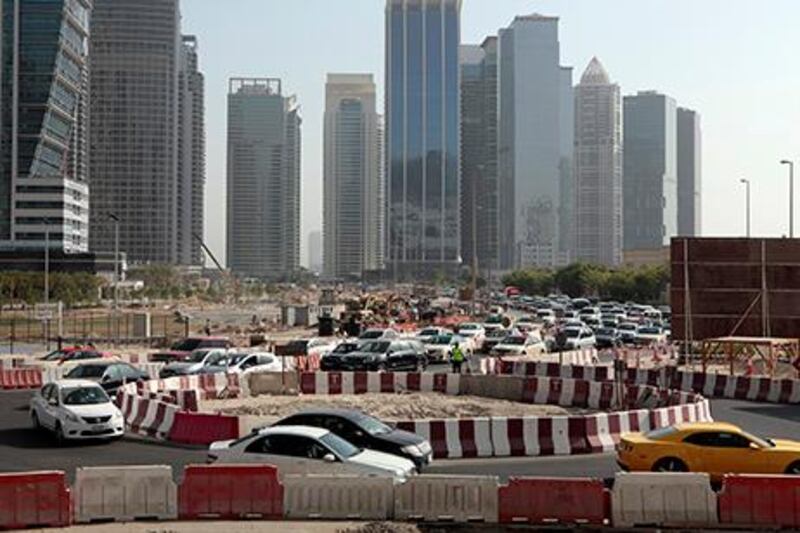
(747,209)
(47,280)
(115,218)
(791,196)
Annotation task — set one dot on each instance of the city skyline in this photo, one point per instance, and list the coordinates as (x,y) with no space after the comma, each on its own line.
(702,70)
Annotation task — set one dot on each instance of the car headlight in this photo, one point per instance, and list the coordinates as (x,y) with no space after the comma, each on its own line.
(71,417)
(117,416)
(412,450)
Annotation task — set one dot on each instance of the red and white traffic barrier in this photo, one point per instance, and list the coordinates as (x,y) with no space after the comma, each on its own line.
(375,382)
(454,438)
(553,370)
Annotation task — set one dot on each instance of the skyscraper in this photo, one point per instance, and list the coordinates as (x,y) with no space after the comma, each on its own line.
(263,179)
(43,145)
(598,168)
(191,154)
(689,173)
(650,186)
(422,136)
(315,251)
(135,60)
(479,186)
(534,151)
(353,191)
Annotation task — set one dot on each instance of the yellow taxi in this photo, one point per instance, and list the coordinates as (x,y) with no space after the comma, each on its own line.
(715,447)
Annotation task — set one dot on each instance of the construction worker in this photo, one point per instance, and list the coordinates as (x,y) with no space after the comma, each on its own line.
(457,358)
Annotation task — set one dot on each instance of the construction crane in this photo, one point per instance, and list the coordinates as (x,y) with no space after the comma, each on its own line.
(226,274)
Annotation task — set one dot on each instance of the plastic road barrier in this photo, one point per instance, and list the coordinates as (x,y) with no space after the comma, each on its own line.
(338,497)
(230,492)
(200,428)
(34,499)
(760,501)
(663,499)
(447,498)
(125,494)
(554,500)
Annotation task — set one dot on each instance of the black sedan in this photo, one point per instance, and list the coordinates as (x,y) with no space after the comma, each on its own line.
(110,375)
(366,432)
(384,356)
(334,360)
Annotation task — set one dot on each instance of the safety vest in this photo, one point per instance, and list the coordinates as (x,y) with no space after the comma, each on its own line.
(458,355)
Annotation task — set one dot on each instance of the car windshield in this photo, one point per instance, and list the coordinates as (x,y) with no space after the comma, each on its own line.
(658,434)
(467,327)
(375,347)
(197,356)
(339,445)
(606,331)
(84,396)
(627,327)
(494,320)
(516,341)
(572,333)
(235,359)
(186,345)
(441,339)
(372,425)
(650,331)
(87,371)
(497,334)
(428,332)
(761,442)
(373,334)
(346,347)
(215,359)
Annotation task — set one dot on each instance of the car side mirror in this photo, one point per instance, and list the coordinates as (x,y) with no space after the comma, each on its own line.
(329,458)
(53,402)
(105,379)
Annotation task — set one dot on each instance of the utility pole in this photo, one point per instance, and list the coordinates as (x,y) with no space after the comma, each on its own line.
(791,196)
(747,207)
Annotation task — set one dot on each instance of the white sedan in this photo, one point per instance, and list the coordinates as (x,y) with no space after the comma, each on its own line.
(75,409)
(474,332)
(519,345)
(308,450)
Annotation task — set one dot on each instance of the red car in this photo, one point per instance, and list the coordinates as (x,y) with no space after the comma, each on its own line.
(180,350)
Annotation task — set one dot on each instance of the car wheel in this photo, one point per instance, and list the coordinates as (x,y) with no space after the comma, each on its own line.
(35,421)
(670,464)
(793,469)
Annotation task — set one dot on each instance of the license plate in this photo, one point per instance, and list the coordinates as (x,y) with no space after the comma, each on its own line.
(99,427)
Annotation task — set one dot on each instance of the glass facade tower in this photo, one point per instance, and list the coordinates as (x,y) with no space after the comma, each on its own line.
(44,85)
(422,136)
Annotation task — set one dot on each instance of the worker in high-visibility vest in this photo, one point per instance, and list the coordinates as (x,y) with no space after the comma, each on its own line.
(457,358)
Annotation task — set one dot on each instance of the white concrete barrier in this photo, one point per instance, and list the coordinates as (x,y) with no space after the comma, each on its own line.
(124,494)
(448,498)
(663,499)
(337,497)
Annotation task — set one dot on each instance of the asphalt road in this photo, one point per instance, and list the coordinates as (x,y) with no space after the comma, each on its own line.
(23,449)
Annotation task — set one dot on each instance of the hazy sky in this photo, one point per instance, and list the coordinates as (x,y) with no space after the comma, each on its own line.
(735,61)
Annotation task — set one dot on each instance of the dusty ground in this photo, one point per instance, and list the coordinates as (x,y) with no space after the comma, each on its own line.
(388,407)
(248,526)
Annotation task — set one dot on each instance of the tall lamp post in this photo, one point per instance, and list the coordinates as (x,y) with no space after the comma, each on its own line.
(47,280)
(747,208)
(115,219)
(791,195)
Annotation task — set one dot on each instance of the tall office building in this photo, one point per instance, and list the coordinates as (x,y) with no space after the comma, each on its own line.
(191,154)
(422,137)
(135,64)
(480,230)
(689,173)
(44,194)
(650,181)
(353,191)
(598,168)
(315,251)
(534,146)
(263,231)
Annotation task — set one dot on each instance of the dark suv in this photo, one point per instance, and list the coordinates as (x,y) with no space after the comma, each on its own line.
(334,360)
(383,355)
